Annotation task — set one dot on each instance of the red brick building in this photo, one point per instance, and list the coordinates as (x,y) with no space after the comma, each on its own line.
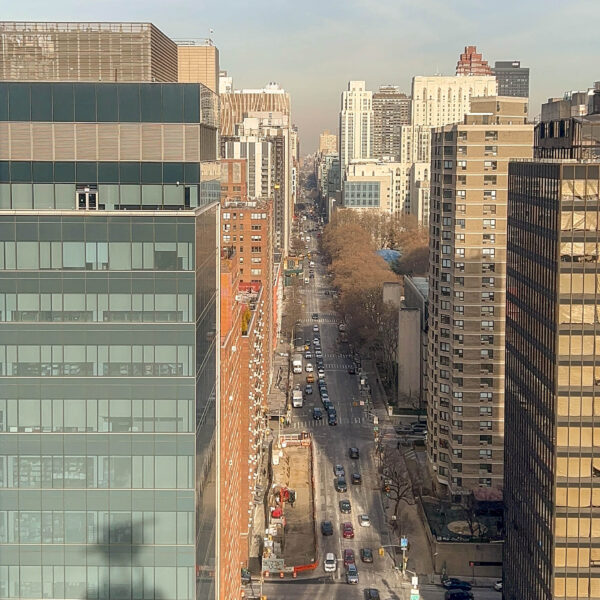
(471,63)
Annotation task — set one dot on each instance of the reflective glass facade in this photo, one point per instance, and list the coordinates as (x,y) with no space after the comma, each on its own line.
(107,404)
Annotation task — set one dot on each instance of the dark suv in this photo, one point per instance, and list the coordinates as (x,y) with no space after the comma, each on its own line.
(353,453)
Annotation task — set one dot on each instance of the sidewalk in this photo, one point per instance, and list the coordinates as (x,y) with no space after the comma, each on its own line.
(408,519)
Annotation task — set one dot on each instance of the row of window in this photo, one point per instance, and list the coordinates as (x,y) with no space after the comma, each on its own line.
(96,527)
(97,256)
(123,308)
(98,582)
(106,102)
(80,415)
(97,472)
(131,172)
(96,361)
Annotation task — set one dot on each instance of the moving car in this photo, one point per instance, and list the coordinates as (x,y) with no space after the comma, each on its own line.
(339,471)
(330,563)
(340,484)
(315,328)
(317,414)
(364,521)
(356,479)
(353,452)
(366,555)
(372,594)
(349,557)
(309,368)
(327,528)
(352,370)
(308,390)
(347,531)
(318,354)
(315,316)
(345,507)
(310,378)
(308,355)
(352,574)
(321,373)
(453,583)
(332,419)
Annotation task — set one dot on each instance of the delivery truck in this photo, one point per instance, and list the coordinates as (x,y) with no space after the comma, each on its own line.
(297,399)
(297,363)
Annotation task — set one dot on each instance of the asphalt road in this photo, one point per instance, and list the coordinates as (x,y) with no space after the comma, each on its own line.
(332,443)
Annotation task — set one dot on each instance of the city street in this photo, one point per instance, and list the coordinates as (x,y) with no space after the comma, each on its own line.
(332,443)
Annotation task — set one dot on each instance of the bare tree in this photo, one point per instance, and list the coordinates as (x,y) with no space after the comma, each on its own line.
(293,309)
(396,483)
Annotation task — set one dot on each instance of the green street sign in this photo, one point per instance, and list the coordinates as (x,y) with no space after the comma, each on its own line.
(376,428)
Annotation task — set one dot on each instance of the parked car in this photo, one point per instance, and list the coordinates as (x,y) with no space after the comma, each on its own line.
(308,355)
(308,368)
(347,531)
(327,528)
(352,370)
(458,595)
(364,520)
(453,583)
(339,471)
(308,390)
(310,378)
(349,557)
(327,404)
(345,507)
(372,594)
(340,484)
(352,574)
(366,555)
(317,414)
(332,419)
(330,563)
(353,452)
(356,479)
(321,373)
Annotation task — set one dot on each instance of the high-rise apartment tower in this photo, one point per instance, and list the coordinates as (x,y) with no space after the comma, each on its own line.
(356,123)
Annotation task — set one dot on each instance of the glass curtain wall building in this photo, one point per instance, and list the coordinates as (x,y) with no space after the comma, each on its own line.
(108,322)
(552,449)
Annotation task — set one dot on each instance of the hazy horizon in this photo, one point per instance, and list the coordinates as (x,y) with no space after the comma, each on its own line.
(314,49)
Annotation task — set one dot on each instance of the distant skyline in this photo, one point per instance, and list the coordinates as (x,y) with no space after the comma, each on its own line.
(313,49)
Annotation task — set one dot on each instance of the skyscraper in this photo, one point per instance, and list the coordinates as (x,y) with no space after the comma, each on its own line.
(440,100)
(356,123)
(470,62)
(552,375)
(327,142)
(513,79)
(391,110)
(108,286)
(465,395)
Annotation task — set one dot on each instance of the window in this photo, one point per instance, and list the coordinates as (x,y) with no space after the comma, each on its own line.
(488,281)
(489,209)
(489,223)
(486,354)
(490,165)
(459,281)
(485,482)
(255,271)
(485,454)
(487,296)
(445,305)
(489,238)
(461,164)
(490,180)
(487,325)
(461,208)
(457,452)
(459,237)
(488,252)
(447,221)
(446,235)
(491,136)
(459,324)
(445,249)
(488,267)
(448,164)
(485,411)
(459,309)
(460,252)
(460,223)
(487,339)
(457,424)
(491,150)
(485,425)
(457,396)
(460,266)
(446,263)
(485,396)
(459,296)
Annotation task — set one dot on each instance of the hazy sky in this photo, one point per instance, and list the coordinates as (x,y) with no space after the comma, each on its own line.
(314,47)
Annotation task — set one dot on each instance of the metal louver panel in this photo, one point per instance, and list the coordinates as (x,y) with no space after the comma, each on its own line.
(173,142)
(192,143)
(85,139)
(108,141)
(130,141)
(43,148)
(64,141)
(151,141)
(20,141)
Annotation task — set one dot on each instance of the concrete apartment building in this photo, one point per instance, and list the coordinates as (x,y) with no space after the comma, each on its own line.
(374,185)
(327,142)
(198,62)
(356,124)
(513,79)
(264,139)
(551,418)
(471,62)
(391,110)
(465,378)
(441,100)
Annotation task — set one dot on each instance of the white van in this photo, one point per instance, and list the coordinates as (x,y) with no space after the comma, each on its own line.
(330,563)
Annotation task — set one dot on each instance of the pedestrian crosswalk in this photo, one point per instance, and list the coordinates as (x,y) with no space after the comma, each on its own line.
(336,366)
(312,423)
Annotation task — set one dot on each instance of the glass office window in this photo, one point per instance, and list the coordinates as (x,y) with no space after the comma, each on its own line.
(85,102)
(43,195)
(173,173)
(108,172)
(86,172)
(4,195)
(108,103)
(129,172)
(151,102)
(41,103)
(63,108)
(151,172)
(64,196)
(152,195)
(22,196)
(19,102)
(130,195)
(129,103)
(64,172)
(3,103)
(173,103)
